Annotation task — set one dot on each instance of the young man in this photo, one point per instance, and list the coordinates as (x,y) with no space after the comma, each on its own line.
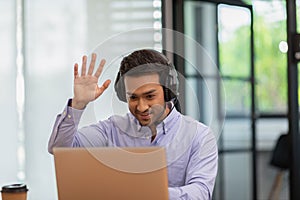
(148,83)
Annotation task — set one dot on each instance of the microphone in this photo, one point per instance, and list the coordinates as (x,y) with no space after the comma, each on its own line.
(175,103)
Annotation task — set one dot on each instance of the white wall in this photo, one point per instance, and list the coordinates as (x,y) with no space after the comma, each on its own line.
(57,34)
(8,112)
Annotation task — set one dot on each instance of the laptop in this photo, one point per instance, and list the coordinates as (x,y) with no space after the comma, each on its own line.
(111,173)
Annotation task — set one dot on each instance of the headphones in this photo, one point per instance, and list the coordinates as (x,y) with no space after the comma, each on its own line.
(167,74)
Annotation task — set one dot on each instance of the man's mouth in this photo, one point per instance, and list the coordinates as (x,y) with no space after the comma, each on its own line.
(145,116)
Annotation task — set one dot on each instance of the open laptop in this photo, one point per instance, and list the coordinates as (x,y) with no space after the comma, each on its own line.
(111,173)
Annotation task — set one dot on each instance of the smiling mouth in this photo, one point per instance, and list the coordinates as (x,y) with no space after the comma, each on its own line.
(145,116)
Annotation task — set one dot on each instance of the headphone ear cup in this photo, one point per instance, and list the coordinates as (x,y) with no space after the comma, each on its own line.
(171,85)
(171,81)
(120,88)
(168,94)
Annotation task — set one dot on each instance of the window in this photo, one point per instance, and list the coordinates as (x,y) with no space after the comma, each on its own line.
(9,135)
(56,34)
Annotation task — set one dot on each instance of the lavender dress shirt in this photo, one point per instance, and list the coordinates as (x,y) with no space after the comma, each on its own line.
(191,147)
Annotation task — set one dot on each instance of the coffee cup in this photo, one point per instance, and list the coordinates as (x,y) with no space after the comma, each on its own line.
(14,192)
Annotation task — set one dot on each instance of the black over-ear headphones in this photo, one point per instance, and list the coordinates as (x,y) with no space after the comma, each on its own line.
(167,75)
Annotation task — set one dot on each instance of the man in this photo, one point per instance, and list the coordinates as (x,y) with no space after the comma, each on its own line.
(148,83)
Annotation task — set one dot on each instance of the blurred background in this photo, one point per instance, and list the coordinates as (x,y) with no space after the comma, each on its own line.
(240,87)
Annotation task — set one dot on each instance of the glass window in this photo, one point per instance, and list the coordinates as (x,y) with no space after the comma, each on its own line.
(229,47)
(8,115)
(57,34)
(270,56)
(234,39)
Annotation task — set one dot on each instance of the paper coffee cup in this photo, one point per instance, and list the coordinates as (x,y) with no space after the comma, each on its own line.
(14,192)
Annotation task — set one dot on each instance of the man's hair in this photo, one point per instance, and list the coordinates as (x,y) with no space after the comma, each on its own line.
(147,61)
(142,57)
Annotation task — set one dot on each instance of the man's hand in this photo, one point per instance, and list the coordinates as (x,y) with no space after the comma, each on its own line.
(86,88)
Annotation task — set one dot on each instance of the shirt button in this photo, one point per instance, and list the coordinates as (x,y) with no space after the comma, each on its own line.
(69,116)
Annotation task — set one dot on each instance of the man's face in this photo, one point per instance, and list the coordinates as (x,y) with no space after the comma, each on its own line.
(145,98)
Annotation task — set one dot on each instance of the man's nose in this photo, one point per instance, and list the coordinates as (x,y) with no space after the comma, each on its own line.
(142,105)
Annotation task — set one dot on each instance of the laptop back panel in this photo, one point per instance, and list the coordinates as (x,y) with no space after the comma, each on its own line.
(111,173)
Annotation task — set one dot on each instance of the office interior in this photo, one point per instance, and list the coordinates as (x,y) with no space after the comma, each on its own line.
(237,73)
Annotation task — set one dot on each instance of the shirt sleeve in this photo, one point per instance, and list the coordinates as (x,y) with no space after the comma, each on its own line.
(65,131)
(64,128)
(201,172)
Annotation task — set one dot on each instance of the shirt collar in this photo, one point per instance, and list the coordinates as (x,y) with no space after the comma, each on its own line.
(170,120)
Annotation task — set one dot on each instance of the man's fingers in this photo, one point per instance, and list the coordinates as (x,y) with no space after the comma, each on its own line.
(91,67)
(106,83)
(83,68)
(92,64)
(100,68)
(75,70)
(103,87)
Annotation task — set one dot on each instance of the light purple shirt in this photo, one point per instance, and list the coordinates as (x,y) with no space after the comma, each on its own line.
(191,147)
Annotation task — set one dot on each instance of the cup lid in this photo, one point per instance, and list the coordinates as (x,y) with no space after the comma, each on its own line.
(14,188)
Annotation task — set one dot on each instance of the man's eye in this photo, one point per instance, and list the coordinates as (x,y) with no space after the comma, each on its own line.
(150,96)
(132,97)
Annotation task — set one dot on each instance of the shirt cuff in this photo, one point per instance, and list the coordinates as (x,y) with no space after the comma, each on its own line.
(174,193)
(71,114)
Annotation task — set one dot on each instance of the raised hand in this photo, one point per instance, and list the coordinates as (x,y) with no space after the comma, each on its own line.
(86,88)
